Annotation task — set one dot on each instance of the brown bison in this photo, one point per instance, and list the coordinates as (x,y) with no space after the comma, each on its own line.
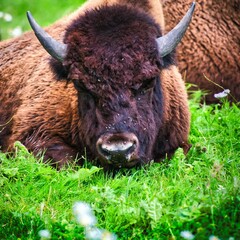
(211,46)
(111,88)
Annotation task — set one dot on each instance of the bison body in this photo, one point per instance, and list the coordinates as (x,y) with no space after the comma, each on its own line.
(211,47)
(112,95)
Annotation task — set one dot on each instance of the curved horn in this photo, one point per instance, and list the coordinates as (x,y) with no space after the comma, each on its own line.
(168,42)
(56,49)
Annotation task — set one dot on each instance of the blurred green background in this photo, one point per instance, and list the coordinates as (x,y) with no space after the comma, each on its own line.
(13,19)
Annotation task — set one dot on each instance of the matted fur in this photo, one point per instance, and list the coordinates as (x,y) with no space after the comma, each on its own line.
(112,80)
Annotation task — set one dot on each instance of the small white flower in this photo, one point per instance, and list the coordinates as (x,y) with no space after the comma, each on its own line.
(16,32)
(108,236)
(7,17)
(44,234)
(93,233)
(187,235)
(222,94)
(1,14)
(213,238)
(81,208)
(86,220)
(84,214)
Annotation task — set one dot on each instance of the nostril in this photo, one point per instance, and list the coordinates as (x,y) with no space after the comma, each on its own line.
(117,148)
(116,151)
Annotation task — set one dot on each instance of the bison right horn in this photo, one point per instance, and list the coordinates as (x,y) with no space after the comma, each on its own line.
(168,42)
(56,49)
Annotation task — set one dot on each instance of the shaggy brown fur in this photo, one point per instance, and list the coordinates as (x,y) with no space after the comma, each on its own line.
(112,80)
(211,45)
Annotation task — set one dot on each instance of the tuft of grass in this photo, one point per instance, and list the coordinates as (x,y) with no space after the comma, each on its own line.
(198,193)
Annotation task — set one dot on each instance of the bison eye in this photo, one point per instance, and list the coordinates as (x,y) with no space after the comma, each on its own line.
(147,85)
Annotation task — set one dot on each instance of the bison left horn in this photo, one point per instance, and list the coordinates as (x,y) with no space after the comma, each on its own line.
(168,42)
(56,49)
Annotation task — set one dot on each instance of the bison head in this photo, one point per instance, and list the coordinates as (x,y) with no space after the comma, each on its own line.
(114,55)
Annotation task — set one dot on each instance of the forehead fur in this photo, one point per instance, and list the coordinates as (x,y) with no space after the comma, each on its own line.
(114,43)
(143,4)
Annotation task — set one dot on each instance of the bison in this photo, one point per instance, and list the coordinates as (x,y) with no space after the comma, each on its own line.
(210,49)
(110,88)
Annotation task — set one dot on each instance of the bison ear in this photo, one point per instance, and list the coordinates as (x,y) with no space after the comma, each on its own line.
(56,49)
(168,42)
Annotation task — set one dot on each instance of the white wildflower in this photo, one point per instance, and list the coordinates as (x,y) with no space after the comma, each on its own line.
(93,233)
(187,235)
(16,32)
(7,17)
(213,238)
(87,219)
(222,94)
(44,234)
(108,236)
(84,214)
(1,14)
(81,208)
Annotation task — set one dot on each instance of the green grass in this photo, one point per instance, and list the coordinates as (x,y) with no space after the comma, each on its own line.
(199,193)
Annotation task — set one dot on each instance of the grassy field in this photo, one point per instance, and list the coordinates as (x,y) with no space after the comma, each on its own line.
(197,195)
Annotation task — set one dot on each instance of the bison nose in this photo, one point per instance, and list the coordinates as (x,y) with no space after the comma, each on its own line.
(118,148)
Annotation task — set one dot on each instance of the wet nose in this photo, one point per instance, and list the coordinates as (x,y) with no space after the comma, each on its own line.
(118,148)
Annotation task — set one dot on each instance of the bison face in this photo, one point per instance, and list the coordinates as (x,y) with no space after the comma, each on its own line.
(120,126)
(114,63)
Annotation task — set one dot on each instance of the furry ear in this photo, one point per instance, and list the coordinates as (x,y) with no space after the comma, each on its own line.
(58,68)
